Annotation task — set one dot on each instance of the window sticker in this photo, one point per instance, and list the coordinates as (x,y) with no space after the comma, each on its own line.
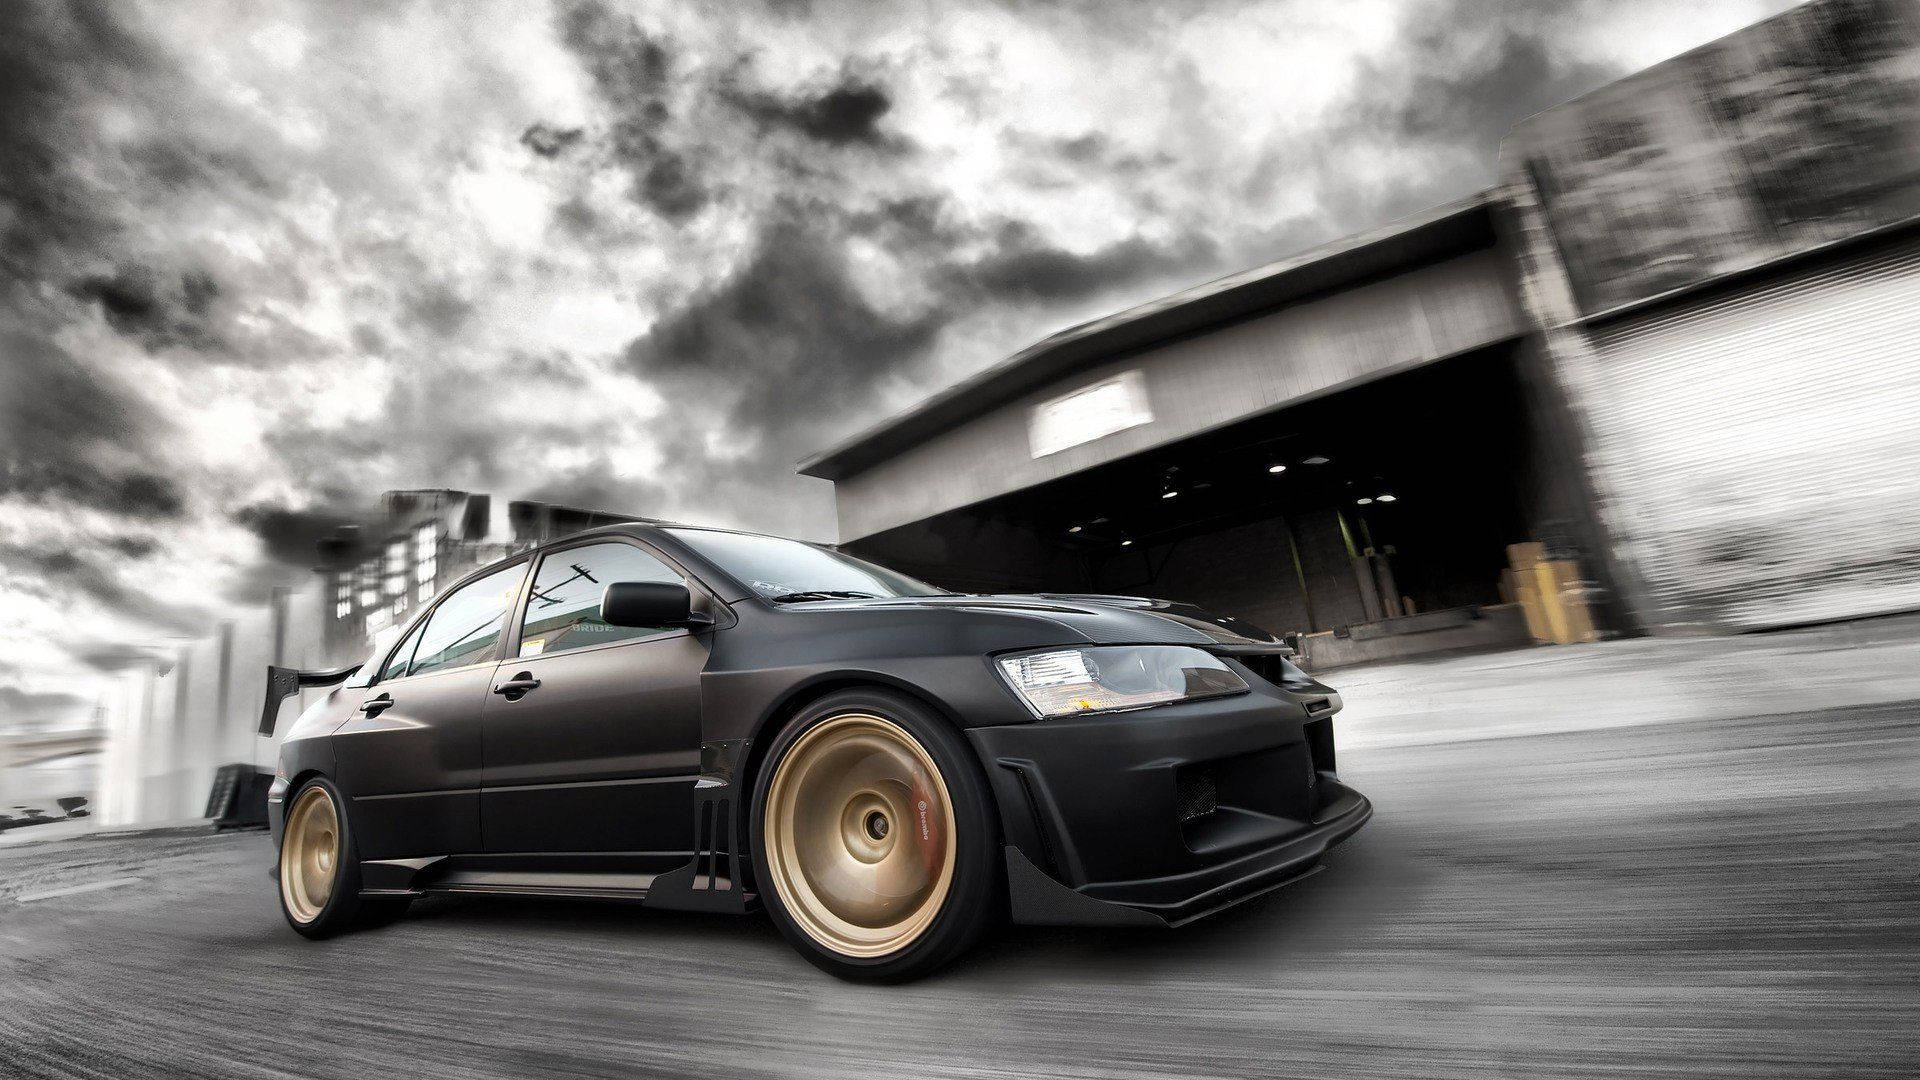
(532,647)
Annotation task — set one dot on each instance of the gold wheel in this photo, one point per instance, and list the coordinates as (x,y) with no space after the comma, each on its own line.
(310,855)
(860,835)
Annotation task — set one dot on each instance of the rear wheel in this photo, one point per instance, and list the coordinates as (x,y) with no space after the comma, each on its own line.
(875,843)
(320,867)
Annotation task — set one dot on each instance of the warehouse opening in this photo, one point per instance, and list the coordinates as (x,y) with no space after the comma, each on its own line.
(1383,510)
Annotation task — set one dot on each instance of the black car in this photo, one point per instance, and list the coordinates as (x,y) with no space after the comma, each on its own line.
(715,720)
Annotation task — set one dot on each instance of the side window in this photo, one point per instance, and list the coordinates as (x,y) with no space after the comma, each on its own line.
(466,626)
(563,608)
(402,656)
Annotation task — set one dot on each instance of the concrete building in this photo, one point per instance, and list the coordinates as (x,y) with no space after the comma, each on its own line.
(1674,348)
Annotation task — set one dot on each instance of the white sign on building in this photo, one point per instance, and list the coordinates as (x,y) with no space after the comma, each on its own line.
(1089,413)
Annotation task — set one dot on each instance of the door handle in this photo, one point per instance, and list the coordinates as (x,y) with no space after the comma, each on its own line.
(375,705)
(517,687)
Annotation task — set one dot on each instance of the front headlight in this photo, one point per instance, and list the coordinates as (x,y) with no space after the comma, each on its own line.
(1106,678)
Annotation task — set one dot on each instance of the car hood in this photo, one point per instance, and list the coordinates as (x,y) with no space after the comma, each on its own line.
(1100,618)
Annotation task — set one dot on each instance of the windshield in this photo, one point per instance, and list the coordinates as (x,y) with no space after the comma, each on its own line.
(790,571)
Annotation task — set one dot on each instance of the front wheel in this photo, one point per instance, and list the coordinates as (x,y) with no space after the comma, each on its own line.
(874,838)
(320,868)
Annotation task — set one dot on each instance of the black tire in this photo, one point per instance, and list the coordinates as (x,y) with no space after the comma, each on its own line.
(975,897)
(345,908)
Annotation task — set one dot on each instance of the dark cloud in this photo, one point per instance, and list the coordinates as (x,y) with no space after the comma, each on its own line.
(548,141)
(70,433)
(291,536)
(55,58)
(596,487)
(368,339)
(1461,73)
(631,69)
(1023,269)
(158,310)
(847,113)
(922,222)
(183,166)
(1093,151)
(1476,106)
(436,308)
(133,547)
(787,335)
(576,216)
(95,577)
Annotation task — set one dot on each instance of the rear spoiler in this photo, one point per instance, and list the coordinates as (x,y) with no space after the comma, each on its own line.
(284,682)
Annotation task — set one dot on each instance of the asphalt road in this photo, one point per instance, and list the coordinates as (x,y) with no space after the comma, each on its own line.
(1732,898)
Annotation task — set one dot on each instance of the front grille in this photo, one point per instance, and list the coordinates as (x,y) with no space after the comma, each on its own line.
(1195,793)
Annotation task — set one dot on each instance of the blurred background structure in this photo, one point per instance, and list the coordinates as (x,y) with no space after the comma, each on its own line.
(159,738)
(1661,379)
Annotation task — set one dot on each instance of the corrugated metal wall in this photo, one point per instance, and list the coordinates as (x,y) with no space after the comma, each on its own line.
(1766,446)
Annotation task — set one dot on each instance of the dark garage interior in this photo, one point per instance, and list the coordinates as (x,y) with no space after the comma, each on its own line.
(1391,499)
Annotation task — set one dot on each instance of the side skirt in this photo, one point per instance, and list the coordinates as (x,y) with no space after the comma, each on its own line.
(589,876)
(630,887)
(713,879)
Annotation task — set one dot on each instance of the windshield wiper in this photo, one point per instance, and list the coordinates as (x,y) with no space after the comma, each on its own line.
(822,594)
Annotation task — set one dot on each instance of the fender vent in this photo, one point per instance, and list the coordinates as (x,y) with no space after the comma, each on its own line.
(713,861)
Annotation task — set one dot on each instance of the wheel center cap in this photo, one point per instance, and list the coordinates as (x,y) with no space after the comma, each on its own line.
(877,825)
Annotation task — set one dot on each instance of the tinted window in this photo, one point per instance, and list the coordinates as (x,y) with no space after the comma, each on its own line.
(466,626)
(563,608)
(403,655)
(776,567)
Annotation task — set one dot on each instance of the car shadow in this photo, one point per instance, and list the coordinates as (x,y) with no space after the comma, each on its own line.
(597,918)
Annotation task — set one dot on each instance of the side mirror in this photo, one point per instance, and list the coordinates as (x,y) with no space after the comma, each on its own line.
(649,603)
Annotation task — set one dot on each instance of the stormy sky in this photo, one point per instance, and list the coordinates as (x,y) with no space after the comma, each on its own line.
(260,261)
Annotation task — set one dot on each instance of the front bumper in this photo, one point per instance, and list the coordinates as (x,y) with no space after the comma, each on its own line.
(1161,816)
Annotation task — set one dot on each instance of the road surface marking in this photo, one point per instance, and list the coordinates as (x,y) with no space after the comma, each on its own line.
(91,886)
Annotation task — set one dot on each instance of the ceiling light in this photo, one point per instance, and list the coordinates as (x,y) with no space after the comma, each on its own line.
(1385,498)
(1074,529)
(1315,460)
(1168,494)
(1363,502)
(1126,543)
(1276,468)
